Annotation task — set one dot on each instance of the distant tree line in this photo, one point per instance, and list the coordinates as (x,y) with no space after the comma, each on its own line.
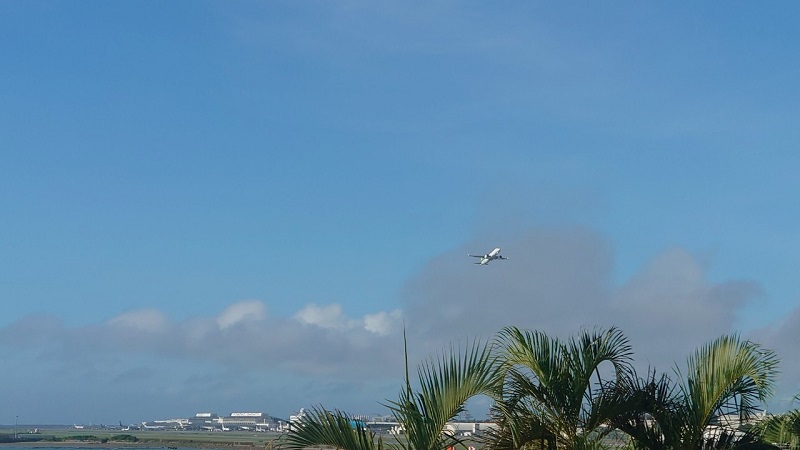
(9,438)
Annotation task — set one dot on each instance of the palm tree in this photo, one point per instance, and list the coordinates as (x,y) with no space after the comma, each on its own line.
(783,429)
(725,381)
(331,428)
(548,399)
(445,385)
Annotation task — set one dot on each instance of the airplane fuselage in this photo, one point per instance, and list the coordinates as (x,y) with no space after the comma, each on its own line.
(489,257)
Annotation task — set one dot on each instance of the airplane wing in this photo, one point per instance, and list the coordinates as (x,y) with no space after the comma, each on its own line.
(475,256)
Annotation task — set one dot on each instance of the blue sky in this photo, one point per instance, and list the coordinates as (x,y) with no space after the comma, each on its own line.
(233,205)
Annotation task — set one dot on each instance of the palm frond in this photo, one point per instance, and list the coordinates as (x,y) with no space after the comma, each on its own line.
(645,410)
(548,390)
(783,429)
(335,429)
(445,385)
(726,376)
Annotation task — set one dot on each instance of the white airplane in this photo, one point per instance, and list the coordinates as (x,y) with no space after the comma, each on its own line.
(489,257)
(263,427)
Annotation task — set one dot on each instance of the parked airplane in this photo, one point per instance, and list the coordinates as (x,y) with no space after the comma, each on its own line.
(263,427)
(145,426)
(489,257)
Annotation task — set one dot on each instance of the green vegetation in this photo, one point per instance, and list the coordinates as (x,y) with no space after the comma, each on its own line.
(551,394)
(783,429)
(725,378)
(445,386)
(335,429)
(547,398)
(81,438)
(124,438)
(55,437)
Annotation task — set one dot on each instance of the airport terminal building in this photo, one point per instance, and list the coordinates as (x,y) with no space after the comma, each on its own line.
(244,421)
(263,422)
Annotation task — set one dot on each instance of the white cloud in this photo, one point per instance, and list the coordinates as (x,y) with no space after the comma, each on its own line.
(146,320)
(330,316)
(248,310)
(382,323)
(556,281)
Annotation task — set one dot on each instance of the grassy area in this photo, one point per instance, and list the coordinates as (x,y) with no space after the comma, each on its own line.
(147,437)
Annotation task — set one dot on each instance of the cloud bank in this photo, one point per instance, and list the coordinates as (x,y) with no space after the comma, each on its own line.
(558,281)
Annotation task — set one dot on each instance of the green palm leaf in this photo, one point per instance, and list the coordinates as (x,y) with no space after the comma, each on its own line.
(445,385)
(548,392)
(335,429)
(726,377)
(783,429)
